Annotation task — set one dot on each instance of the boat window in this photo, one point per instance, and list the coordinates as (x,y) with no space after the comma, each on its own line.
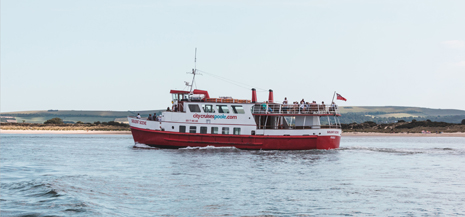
(203,130)
(182,129)
(222,109)
(194,108)
(175,97)
(214,130)
(237,131)
(237,109)
(193,129)
(225,130)
(208,109)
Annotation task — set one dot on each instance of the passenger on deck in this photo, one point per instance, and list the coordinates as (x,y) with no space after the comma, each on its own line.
(266,108)
(138,116)
(168,109)
(295,107)
(269,109)
(285,105)
(307,106)
(333,107)
(155,118)
(313,107)
(150,117)
(302,105)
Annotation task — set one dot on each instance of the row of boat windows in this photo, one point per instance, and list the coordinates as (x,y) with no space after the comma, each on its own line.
(213,130)
(236,109)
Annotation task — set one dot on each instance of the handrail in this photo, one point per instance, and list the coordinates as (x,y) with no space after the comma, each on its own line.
(146,119)
(263,108)
(223,100)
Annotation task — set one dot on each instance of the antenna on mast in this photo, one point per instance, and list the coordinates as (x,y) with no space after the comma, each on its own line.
(194,71)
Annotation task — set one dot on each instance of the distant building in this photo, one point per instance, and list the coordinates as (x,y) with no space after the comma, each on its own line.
(8,119)
(122,120)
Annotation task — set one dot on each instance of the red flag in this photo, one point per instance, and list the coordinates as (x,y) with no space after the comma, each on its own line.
(339,97)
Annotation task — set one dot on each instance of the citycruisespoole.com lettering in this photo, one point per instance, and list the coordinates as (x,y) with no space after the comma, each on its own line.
(215,116)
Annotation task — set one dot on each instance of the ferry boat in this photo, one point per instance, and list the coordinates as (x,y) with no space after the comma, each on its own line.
(197,120)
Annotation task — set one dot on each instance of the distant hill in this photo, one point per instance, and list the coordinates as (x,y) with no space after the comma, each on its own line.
(399,111)
(390,114)
(73,116)
(350,114)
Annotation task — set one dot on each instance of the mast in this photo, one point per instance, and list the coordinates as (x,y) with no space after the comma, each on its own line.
(333,97)
(194,70)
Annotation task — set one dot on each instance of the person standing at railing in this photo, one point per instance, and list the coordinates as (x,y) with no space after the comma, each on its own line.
(266,108)
(313,107)
(307,106)
(333,107)
(302,105)
(285,105)
(138,116)
(295,107)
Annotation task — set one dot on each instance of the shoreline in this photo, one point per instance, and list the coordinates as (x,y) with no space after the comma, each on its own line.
(367,134)
(350,134)
(63,132)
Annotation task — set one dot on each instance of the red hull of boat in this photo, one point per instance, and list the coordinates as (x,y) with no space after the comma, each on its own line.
(164,139)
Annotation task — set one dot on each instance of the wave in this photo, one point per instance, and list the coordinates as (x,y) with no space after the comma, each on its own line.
(32,189)
(41,196)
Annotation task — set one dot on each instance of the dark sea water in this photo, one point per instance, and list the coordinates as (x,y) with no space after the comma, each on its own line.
(105,175)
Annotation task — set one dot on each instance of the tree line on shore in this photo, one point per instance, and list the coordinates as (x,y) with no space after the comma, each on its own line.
(59,121)
(402,126)
(352,117)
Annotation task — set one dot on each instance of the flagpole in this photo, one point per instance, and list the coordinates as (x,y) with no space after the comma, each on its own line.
(333,97)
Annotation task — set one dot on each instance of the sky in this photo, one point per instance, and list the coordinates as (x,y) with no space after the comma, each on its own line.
(127,55)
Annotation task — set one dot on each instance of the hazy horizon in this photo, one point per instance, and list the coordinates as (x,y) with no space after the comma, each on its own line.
(127,55)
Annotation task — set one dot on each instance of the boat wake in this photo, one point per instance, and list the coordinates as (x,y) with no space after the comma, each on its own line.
(143,146)
(209,148)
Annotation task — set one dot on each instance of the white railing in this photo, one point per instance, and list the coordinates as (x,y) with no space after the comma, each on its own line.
(263,108)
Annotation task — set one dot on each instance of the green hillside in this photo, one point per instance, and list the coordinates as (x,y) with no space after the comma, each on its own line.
(390,114)
(73,116)
(399,111)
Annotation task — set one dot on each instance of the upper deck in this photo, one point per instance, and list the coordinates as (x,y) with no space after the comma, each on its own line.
(275,109)
(201,97)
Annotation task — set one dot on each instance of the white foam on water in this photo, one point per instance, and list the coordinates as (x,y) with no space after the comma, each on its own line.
(209,147)
(140,145)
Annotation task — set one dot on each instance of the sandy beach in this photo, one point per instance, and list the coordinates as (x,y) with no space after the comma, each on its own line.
(405,134)
(62,132)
